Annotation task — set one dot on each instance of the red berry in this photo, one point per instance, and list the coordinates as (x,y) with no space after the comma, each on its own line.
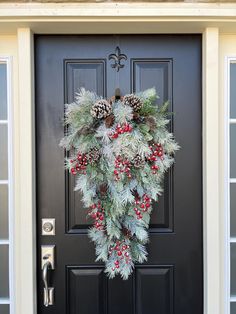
(135,209)
(73,171)
(115,135)
(116,172)
(116,262)
(147,205)
(127,254)
(138,212)
(119,253)
(117,266)
(142,205)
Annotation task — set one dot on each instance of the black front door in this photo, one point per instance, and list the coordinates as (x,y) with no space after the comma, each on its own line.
(171,281)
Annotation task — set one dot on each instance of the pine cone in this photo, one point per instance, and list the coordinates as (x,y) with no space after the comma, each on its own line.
(101,109)
(94,155)
(133,101)
(138,161)
(109,120)
(102,190)
(137,118)
(151,122)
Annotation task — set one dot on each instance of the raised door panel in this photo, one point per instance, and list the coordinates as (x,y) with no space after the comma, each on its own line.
(154,290)
(158,73)
(86,290)
(91,75)
(150,290)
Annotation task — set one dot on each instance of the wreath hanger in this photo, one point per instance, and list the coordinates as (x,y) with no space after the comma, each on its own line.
(117,94)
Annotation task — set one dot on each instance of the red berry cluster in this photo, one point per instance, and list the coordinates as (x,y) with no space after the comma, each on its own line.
(142,205)
(79,164)
(122,165)
(156,152)
(97,213)
(121,129)
(122,252)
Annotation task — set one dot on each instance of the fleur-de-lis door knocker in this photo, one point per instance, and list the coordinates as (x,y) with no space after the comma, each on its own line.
(117,57)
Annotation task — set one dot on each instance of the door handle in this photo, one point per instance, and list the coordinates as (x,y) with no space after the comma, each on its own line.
(48,264)
(48,292)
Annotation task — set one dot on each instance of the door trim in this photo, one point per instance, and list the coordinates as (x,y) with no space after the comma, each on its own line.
(25,246)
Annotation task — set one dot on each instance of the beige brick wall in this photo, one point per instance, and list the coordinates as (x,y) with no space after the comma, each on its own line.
(97,1)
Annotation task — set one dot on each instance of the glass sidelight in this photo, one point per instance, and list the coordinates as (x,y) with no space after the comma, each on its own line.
(231,183)
(5,191)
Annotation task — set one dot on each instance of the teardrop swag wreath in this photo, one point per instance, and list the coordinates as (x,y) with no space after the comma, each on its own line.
(119,151)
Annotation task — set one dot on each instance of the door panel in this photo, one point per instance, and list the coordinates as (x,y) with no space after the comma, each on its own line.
(171,280)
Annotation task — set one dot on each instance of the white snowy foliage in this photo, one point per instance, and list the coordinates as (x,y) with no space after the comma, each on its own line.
(120,225)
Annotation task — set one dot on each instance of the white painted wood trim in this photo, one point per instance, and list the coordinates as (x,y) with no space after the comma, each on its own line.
(211,210)
(25,229)
(227,239)
(43,11)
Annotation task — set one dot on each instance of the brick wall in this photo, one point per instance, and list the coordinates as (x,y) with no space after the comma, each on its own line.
(97,1)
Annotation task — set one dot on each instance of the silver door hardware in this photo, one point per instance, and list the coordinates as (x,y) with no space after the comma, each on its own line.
(48,255)
(48,226)
(47,263)
(48,295)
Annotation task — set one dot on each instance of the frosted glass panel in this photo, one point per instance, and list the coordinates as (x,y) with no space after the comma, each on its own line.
(3,91)
(233,90)
(4,268)
(3,211)
(3,152)
(4,309)
(233,150)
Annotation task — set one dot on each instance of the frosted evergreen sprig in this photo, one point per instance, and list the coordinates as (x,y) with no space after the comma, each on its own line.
(119,157)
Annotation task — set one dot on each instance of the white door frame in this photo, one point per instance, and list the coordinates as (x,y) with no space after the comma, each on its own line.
(24,141)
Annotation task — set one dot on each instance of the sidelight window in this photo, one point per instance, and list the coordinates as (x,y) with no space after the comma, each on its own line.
(6,236)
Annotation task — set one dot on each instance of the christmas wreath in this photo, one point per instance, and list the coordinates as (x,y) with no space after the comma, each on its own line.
(119,150)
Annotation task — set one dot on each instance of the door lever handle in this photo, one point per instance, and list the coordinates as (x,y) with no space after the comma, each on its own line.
(47,264)
(48,291)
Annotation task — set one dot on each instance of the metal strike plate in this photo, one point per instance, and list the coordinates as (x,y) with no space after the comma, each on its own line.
(50,296)
(48,255)
(48,226)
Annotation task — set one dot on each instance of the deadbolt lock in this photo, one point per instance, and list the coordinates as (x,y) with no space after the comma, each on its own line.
(48,226)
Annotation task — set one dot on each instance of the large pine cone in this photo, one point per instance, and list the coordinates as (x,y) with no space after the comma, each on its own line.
(138,161)
(133,101)
(109,121)
(94,155)
(101,109)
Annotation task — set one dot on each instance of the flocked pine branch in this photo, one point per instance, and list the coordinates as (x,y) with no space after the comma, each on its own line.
(119,152)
